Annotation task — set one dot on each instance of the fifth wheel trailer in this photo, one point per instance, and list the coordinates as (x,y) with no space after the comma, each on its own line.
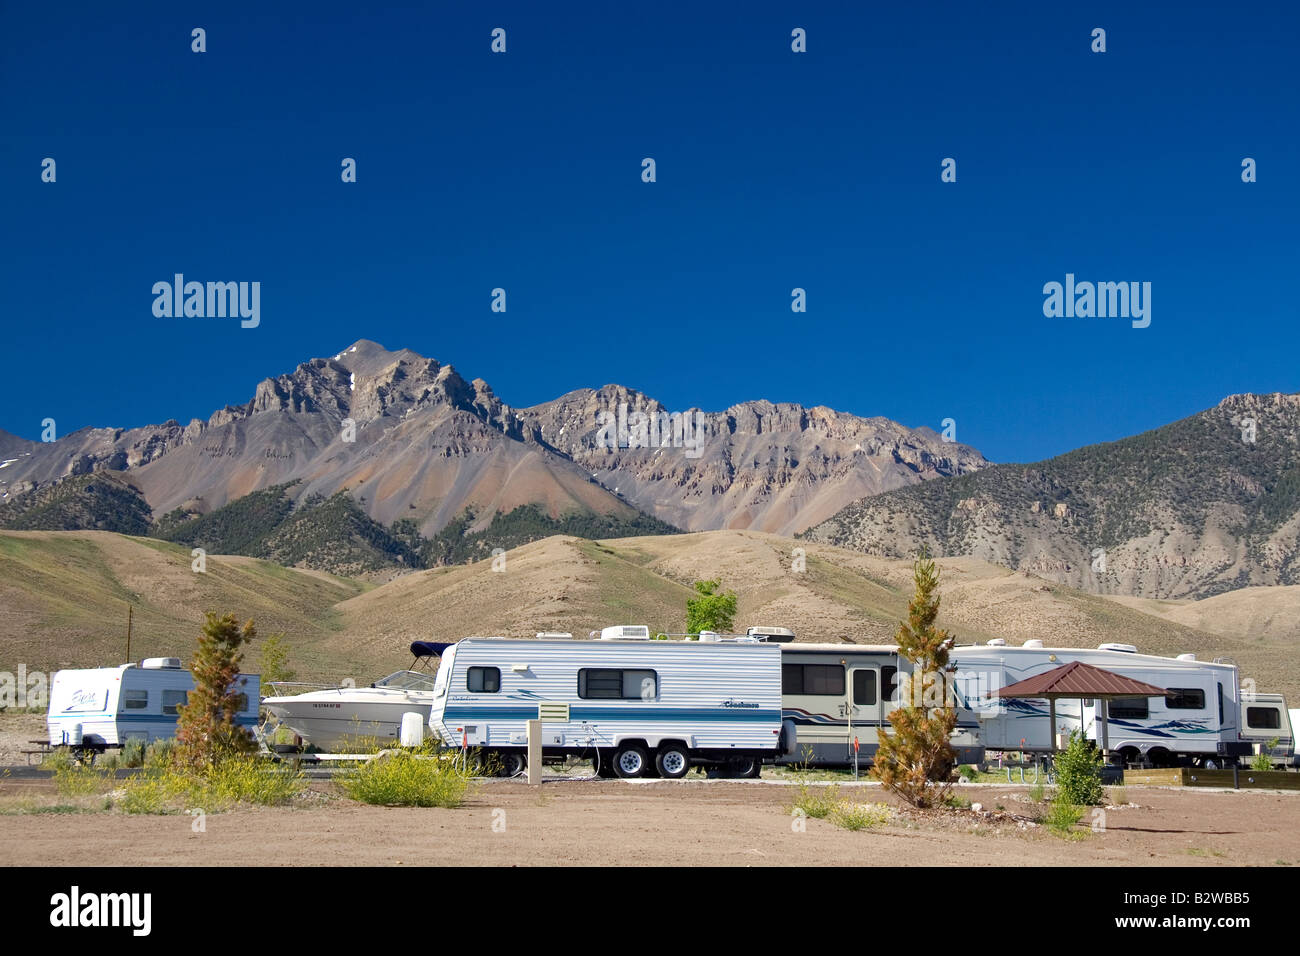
(1198,722)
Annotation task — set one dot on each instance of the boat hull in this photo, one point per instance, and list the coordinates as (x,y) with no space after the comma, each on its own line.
(337,724)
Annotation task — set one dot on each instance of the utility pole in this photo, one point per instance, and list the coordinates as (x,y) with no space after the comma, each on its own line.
(129,609)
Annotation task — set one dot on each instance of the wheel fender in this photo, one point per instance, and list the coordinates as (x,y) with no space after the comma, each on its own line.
(788,741)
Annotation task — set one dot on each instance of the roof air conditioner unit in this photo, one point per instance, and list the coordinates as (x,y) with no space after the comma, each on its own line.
(625,632)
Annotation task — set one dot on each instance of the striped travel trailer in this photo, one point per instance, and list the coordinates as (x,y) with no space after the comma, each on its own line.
(634,706)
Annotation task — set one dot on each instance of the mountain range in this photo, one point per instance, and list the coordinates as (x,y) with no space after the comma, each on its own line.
(420,450)
(372,463)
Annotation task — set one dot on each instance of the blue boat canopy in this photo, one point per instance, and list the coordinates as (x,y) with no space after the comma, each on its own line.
(429,648)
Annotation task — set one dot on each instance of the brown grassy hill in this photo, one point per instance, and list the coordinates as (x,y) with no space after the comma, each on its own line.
(62,598)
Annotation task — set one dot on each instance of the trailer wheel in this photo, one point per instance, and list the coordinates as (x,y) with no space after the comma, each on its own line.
(631,761)
(743,767)
(673,762)
(513,764)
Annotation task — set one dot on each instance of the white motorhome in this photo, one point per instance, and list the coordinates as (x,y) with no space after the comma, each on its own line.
(1265,719)
(836,694)
(1197,722)
(634,706)
(97,708)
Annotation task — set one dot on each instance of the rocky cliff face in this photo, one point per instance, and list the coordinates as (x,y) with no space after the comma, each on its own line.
(758,465)
(1204,505)
(409,437)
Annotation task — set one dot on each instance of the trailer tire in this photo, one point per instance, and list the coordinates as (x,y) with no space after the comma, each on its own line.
(513,764)
(673,762)
(631,761)
(743,767)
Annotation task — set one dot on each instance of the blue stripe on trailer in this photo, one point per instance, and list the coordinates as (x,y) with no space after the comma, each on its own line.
(577,714)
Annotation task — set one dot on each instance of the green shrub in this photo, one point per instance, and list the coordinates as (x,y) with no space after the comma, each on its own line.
(236,780)
(1078,773)
(132,754)
(1062,817)
(77,780)
(158,755)
(1036,791)
(816,802)
(860,816)
(403,779)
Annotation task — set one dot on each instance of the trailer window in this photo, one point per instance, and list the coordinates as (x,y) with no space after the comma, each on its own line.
(888,682)
(1263,718)
(484,680)
(171,699)
(864,687)
(1185,698)
(1135,709)
(135,699)
(819,680)
(616,684)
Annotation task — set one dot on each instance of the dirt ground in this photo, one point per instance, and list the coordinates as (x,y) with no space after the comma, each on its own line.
(16,730)
(673,823)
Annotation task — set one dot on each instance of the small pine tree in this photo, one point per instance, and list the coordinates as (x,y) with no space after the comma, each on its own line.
(916,760)
(207,732)
(710,611)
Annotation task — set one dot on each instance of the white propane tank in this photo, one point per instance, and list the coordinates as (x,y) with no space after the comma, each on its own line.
(412,729)
(75,736)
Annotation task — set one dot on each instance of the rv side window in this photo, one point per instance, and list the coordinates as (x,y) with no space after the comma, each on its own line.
(610,684)
(135,699)
(864,687)
(484,680)
(171,699)
(821,680)
(241,702)
(1135,709)
(1185,698)
(1263,718)
(889,682)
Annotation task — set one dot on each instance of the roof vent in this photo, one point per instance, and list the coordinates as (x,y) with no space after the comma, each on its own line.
(161,663)
(779,635)
(997,642)
(1186,657)
(554,636)
(1033,643)
(625,632)
(1122,648)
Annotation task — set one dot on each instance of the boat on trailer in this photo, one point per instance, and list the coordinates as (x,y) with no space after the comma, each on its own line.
(344,718)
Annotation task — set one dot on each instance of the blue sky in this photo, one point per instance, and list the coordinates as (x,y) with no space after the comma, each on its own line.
(775,170)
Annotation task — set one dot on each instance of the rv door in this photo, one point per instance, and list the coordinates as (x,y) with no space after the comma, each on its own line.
(865,701)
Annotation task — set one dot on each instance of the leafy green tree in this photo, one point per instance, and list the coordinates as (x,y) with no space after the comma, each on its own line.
(710,611)
(1078,772)
(208,732)
(274,659)
(916,760)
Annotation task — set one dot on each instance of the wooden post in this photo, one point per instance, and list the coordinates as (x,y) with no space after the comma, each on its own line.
(129,609)
(535,751)
(1105,734)
(1051,710)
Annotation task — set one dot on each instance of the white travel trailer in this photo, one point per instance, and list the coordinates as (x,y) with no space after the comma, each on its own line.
(1265,719)
(102,707)
(634,706)
(1197,722)
(836,694)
